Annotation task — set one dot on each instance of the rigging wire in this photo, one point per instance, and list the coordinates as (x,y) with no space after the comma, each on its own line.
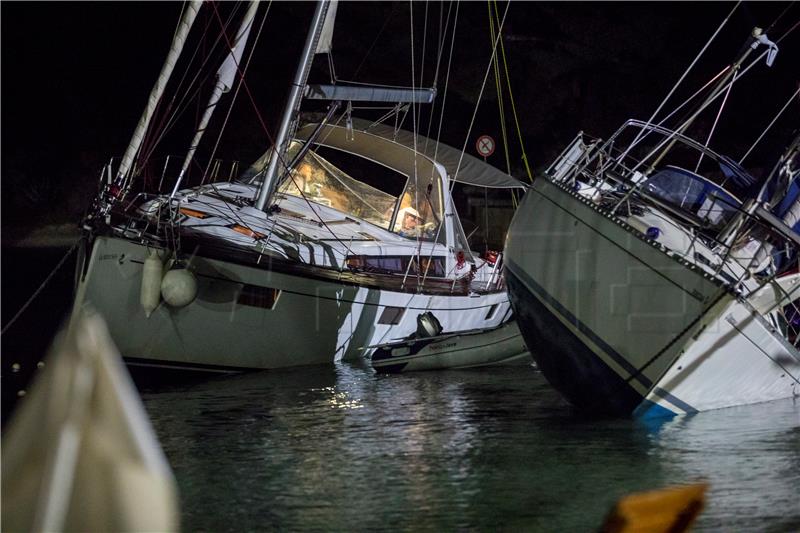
(680,80)
(374,42)
(513,103)
(477,105)
(170,117)
(714,125)
(237,91)
(769,126)
(441,119)
(440,51)
(480,94)
(702,108)
(414,136)
(779,17)
(499,89)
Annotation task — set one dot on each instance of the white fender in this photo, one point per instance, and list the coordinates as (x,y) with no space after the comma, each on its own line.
(179,287)
(150,294)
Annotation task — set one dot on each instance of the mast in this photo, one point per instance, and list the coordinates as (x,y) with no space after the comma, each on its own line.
(293,103)
(756,37)
(189,14)
(225,76)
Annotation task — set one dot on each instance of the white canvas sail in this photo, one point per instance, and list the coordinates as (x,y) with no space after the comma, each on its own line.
(187,20)
(225,76)
(80,454)
(227,71)
(324,45)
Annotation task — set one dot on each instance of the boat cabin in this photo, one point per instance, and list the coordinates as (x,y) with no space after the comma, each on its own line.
(391,179)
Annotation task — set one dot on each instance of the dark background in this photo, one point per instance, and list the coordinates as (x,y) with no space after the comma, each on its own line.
(76,77)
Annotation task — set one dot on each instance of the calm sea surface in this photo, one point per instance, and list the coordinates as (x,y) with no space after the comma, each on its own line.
(341,448)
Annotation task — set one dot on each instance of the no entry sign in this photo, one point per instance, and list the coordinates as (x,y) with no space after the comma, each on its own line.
(485,145)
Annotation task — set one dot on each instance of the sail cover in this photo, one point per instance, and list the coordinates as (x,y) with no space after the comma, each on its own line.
(390,147)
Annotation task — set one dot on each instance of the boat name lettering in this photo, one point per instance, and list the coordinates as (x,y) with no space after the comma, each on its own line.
(442,346)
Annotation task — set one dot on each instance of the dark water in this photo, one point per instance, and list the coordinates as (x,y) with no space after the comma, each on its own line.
(27,339)
(341,448)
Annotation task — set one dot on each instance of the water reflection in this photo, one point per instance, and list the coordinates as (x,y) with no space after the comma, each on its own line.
(341,448)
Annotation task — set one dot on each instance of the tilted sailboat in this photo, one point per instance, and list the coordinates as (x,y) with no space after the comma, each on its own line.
(651,275)
(334,241)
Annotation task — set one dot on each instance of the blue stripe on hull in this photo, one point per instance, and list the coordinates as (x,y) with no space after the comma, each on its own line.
(649,410)
(567,363)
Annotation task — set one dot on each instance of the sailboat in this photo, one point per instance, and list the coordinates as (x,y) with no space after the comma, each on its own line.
(652,276)
(335,240)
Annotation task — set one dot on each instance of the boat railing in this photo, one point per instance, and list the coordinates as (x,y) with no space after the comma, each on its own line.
(575,157)
(495,277)
(159,174)
(768,273)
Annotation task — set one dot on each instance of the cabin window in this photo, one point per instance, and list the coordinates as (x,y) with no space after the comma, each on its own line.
(433,267)
(691,193)
(319,180)
(391,315)
(255,296)
(491,313)
(420,212)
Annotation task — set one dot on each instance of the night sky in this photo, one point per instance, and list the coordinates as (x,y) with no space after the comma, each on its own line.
(76,77)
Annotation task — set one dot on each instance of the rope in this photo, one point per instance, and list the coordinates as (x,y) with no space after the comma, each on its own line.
(499,89)
(170,117)
(513,106)
(475,112)
(480,95)
(236,93)
(39,290)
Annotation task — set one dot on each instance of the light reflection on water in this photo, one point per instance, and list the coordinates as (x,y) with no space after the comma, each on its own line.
(340,448)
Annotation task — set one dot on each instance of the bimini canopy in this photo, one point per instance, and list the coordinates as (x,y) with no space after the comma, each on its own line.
(385,145)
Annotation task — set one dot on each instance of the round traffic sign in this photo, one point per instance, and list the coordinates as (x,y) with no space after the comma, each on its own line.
(485,145)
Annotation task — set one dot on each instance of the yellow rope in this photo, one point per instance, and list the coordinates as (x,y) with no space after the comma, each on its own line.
(511,98)
(499,89)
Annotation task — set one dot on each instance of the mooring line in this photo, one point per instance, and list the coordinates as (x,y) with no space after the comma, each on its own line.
(42,286)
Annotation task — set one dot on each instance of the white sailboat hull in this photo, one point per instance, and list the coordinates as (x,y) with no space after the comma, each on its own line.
(252,317)
(618,325)
(737,360)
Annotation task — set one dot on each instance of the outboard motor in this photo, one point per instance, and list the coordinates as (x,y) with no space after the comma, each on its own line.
(428,325)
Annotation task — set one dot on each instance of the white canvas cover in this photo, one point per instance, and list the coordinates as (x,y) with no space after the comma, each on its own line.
(371,139)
